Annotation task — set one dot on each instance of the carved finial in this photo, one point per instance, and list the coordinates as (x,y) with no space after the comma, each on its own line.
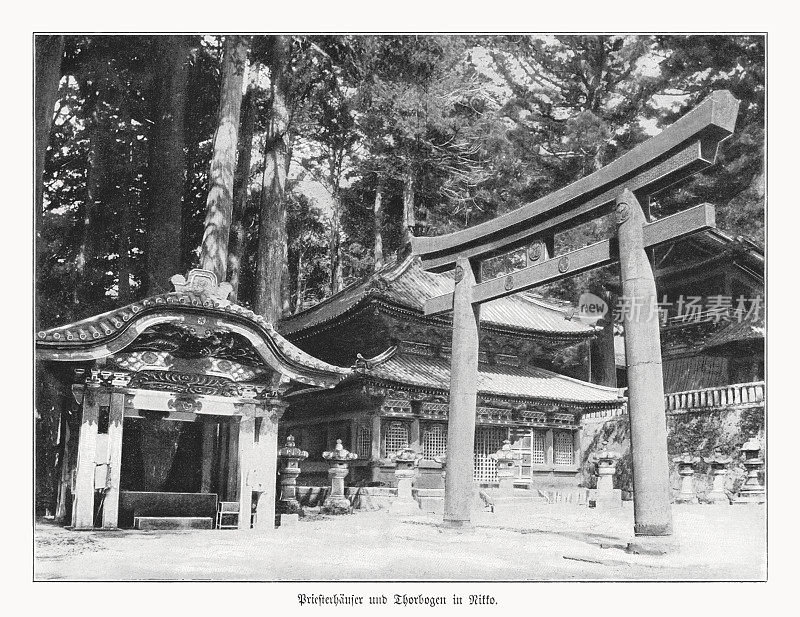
(406,455)
(505,453)
(290,450)
(202,282)
(339,453)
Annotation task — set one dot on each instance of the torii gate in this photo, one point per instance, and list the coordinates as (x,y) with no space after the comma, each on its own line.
(681,150)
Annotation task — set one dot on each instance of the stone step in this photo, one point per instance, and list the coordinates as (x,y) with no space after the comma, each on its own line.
(173,522)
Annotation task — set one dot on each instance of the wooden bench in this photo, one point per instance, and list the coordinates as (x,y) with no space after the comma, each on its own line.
(146,523)
(144,504)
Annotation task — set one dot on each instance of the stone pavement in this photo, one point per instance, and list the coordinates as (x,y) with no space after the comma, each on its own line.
(531,541)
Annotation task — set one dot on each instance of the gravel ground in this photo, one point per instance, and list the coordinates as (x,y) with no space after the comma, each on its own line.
(524,542)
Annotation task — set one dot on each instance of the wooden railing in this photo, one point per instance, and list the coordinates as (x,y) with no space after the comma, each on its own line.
(735,395)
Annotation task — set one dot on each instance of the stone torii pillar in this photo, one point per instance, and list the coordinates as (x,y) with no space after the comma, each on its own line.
(678,152)
(648,419)
(463,397)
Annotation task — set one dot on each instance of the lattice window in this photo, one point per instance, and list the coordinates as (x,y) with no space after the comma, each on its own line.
(563,448)
(487,441)
(395,438)
(522,449)
(434,441)
(538,456)
(364,442)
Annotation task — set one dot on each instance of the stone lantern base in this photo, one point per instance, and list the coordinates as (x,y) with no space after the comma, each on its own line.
(605,499)
(337,506)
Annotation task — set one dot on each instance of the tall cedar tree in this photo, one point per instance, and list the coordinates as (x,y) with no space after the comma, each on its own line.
(49,52)
(219,207)
(167,161)
(241,181)
(271,260)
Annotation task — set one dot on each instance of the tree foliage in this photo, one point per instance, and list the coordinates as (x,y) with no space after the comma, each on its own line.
(445,131)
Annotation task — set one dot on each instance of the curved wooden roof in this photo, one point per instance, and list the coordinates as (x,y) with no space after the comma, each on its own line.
(406,284)
(523,383)
(200,310)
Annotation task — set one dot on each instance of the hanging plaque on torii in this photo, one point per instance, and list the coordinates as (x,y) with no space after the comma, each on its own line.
(681,150)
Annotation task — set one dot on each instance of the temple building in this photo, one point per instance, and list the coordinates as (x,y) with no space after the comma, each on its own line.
(173,405)
(712,288)
(399,398)
(168,407)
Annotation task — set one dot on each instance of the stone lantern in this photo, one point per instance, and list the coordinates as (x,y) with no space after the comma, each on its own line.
(686,463)
(290,457)
(442,460)
(339,461)
(505,458)
(406,461)
(719,468)
(606,466)
(752,491)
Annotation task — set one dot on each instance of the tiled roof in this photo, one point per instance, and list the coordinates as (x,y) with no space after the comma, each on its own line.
(525,382)
(737,331)
(407,284)
(111,331)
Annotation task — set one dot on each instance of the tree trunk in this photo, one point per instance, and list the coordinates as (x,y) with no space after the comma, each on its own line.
(298,305)
(335,246)
(96,190)
(49,51)
(272,208)
(124,236)
(378,211)
(408,214)
(241,182)
(167,162)
(219,206)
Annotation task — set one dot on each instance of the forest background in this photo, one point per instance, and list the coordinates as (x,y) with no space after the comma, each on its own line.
(293,165)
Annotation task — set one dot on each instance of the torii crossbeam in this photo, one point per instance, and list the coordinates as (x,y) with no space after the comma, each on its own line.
(681,150)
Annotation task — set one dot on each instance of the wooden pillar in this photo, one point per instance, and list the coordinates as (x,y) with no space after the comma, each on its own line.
(267,466)
(458,488)
(246,463)
(63,486)
(648,423)
(375,419)
(232,483)
(222,460)
(577,455)
(83,498)
(414,437)
(375,471)
(548,447)
(207,452)
(116,416)
(604,364)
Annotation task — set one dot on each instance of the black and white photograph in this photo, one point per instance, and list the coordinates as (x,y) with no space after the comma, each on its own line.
(394,307)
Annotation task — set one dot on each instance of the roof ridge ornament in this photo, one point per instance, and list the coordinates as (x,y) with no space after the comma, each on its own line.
(203,283)
(368,363)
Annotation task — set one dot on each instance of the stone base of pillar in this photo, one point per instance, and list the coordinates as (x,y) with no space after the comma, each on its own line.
(405,508)
(652,545)
(605,500)
(289,520)
(717,497)
(458,526)
(290,506)
(336,504)
(750,498)
(506,488)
